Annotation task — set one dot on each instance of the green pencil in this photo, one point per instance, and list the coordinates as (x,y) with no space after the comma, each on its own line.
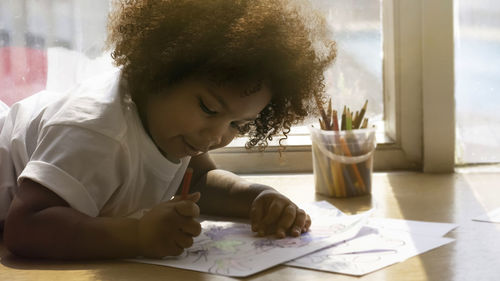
(348,123)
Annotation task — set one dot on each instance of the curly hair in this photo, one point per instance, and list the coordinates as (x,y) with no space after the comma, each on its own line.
(284,43)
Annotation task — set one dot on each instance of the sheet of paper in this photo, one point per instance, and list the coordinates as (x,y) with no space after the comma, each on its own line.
(415,227)
(359,256)
(230,248)
(380,243)
(321,209)
(493,216)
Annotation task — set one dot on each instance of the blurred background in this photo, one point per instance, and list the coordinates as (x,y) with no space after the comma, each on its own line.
(54,44)
(477,81)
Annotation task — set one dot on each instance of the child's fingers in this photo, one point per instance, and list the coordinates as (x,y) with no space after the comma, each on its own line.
(286,220)
(193,228)
(273,213)
(271,216)
(299,224)
(187,208)
(184,241)
(256,214)
(307,225)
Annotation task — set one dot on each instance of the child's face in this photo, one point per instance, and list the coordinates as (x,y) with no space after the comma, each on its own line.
(195,116)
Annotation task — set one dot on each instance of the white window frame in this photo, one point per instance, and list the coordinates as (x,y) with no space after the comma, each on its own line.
(418,78)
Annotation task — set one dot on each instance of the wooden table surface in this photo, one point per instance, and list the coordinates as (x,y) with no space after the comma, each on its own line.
(454,198)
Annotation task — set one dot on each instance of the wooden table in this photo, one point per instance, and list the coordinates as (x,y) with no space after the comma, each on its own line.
(456,198)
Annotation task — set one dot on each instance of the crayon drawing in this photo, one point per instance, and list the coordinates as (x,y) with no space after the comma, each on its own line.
(232,249)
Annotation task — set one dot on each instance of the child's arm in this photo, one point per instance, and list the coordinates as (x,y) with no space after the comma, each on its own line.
(226,194)
(41,224)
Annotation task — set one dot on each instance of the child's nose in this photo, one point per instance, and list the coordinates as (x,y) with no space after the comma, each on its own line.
(213,135)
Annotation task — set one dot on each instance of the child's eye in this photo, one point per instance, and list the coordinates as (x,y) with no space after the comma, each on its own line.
(206,109)
(235,125)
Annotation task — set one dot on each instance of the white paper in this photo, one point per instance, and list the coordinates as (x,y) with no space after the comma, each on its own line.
(370,252)
(230,248)
(321,209)
(493,216)
(415,227)
(380,243)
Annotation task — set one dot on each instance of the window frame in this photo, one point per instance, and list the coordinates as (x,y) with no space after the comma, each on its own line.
(418,89)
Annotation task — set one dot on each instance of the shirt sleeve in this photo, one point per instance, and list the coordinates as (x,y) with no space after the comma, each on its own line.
(81,166)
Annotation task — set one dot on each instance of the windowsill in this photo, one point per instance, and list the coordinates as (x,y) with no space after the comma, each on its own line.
(296,157)
(299,139)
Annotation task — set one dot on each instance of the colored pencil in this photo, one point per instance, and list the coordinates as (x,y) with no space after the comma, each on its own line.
(329,113)
(354,167)
(348,121)
(361,115)
(322,124)
(186,182)
(342,125)
(365,124)
(334,177)
(322,112)
(354,122)
(335,121)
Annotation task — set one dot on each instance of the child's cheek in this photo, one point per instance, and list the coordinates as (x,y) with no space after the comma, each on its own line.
(226,139)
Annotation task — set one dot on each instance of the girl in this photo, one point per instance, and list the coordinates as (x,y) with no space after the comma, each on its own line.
(91,173)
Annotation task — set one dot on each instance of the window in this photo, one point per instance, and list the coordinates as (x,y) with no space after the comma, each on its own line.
(379,59)
(357,72)
(396,54)
(477,73)
(42,41)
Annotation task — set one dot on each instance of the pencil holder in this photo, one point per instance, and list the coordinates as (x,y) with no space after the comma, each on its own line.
(343,161)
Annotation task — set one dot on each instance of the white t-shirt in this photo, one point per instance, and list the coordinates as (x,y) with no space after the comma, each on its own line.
(89,147)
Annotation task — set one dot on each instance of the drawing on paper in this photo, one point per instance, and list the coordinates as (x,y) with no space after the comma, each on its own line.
(225,251)
(232,249)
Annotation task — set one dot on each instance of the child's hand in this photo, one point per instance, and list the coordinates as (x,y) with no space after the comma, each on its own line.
(273,213)
(169,228)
